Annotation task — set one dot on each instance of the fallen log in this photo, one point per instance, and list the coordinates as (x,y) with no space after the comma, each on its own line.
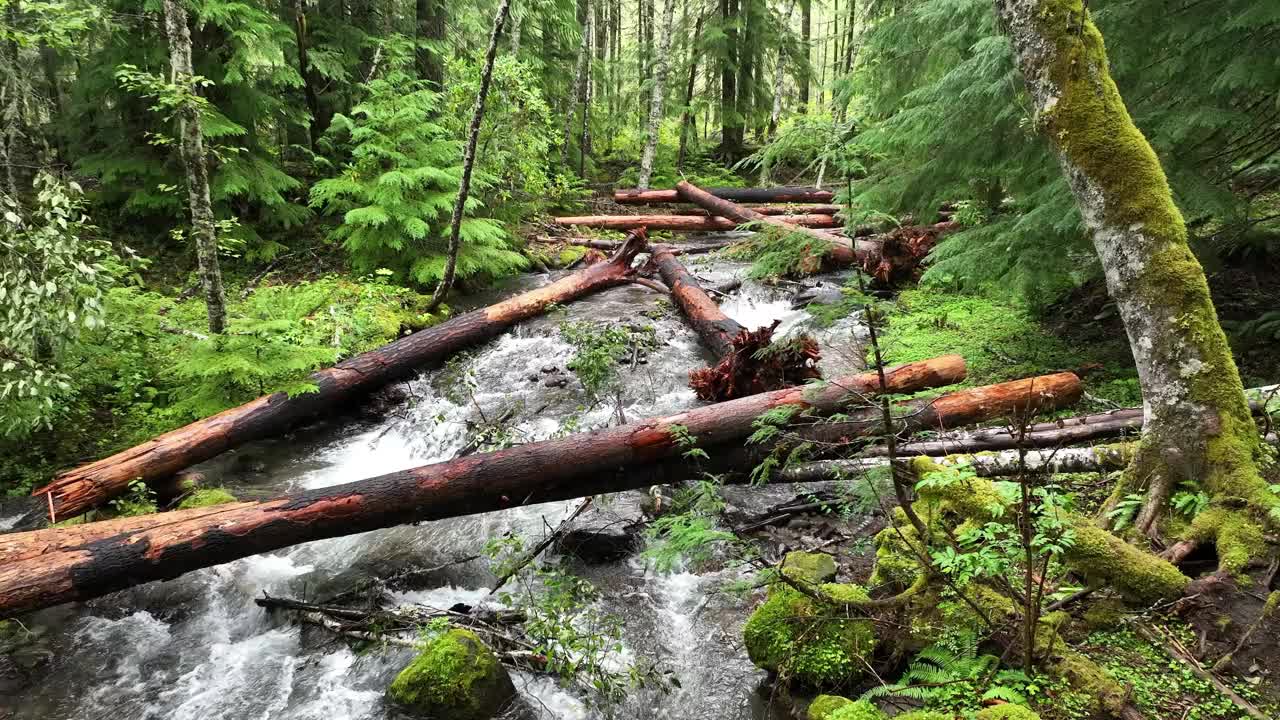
(1103,458)
(744,368)
(740,195)
(889,258)
(801,209)
(686,223)
(613,245)
(46,567)
(83,488)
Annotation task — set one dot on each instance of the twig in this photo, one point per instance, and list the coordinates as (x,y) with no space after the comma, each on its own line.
(1173,649)
(564,524)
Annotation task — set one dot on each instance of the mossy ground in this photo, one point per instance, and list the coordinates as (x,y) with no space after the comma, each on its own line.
(205,497)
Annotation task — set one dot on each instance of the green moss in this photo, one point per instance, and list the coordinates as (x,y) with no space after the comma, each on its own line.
(860,710)
(809,643)
(986,332)
(1006,712)
(1238,538)
(206,497)
(813,568)
(896,564)
(924,715)
(569,255)
(455,677)
(824,706)
(1135,573)
(1104,614)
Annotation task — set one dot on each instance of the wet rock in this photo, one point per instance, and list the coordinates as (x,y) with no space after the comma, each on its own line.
(548,369)
(555,382)
(383,401)
(607,531)
(455,677)
(533,377)
(818,295)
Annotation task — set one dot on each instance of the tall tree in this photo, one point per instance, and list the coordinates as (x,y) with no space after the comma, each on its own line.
(1197,427)
(686,109)
(730,120)
(659,87)
(432,19)
(803,76)
(191,147)
(301,33)
(469,155)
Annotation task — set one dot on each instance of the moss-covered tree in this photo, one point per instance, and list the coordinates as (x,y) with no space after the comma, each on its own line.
(1198,427)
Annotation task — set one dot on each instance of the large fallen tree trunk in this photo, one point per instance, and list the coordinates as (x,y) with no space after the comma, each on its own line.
(686,223)
(742,195)
(613,245)
(803,209)
(85,487)
(47,567)
(743,368)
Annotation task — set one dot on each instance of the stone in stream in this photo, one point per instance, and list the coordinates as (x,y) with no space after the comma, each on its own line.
(455,677)
(799,638)
(608,530)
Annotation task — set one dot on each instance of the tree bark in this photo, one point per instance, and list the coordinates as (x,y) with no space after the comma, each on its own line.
(1105,458)
(191,149)
(842,250)
(469,157)
(657,95)
(780,63)
(432,17)
(47,567)
(686,112)
(83,488)
(685,223)
(730,121)
(803,77)
(637,196)
(1198,426)
(579,77)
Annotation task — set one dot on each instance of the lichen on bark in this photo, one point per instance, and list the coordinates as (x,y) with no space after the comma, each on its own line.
(1198,426)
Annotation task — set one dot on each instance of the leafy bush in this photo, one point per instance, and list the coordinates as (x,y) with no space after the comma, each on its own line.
(396,195)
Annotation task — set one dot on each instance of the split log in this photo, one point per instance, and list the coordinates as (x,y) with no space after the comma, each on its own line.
(805,209)
(743,368)
(686,223)
(46,567)
(88,486)
(740,195)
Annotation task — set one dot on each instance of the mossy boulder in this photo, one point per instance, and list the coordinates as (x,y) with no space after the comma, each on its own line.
(808,643)
(924,715)
(455,678)
(834,707)
(808,567)
(206,497)
(1007,712)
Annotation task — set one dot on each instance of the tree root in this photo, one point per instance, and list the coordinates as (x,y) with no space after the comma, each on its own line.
(756,365)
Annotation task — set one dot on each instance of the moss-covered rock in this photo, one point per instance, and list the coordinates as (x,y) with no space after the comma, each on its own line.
(206,497)
(455,678)
(824,706)
(860,710)
(1007,712)
(924,715)
(809,643)
(813,568)
(1238,538)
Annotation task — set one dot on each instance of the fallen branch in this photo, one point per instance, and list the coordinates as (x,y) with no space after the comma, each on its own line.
(686,223)
(741,195)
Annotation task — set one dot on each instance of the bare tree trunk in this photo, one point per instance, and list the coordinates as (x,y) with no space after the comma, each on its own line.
(579,76)
(469,156)
(803,77)
(1198,427)
(686,113)
(586,91)
(777,90)
(658,91)
(192,151)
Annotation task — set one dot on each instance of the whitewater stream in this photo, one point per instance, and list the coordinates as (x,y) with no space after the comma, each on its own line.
(198,648)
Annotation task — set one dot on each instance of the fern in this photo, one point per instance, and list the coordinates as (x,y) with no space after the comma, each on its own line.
(948,675)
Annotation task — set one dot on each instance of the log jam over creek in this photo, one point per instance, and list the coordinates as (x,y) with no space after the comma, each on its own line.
(198,648)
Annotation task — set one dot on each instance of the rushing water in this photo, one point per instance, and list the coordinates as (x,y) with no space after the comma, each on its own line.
(197,648)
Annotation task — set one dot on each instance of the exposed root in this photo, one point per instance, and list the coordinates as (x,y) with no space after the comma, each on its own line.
(755,365)
(903,250)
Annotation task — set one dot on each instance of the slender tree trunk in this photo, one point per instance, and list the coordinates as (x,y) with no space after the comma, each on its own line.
(686,113)
(803,77)
(730,121)
(744,104)
(579,76)
(469,156)
(302,38)
(1198,426)
(777,88)
(192,150)
(588,92)
(659,90)
(432,19)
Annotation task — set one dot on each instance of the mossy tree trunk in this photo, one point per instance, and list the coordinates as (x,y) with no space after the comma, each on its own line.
(193,158)
(1198,427)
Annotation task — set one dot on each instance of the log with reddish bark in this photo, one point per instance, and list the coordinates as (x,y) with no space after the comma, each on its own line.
(684,223)
(88,486)
(613,245)
(890,258)
(744,367)
(740,195)
(801,209)
(46,567)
